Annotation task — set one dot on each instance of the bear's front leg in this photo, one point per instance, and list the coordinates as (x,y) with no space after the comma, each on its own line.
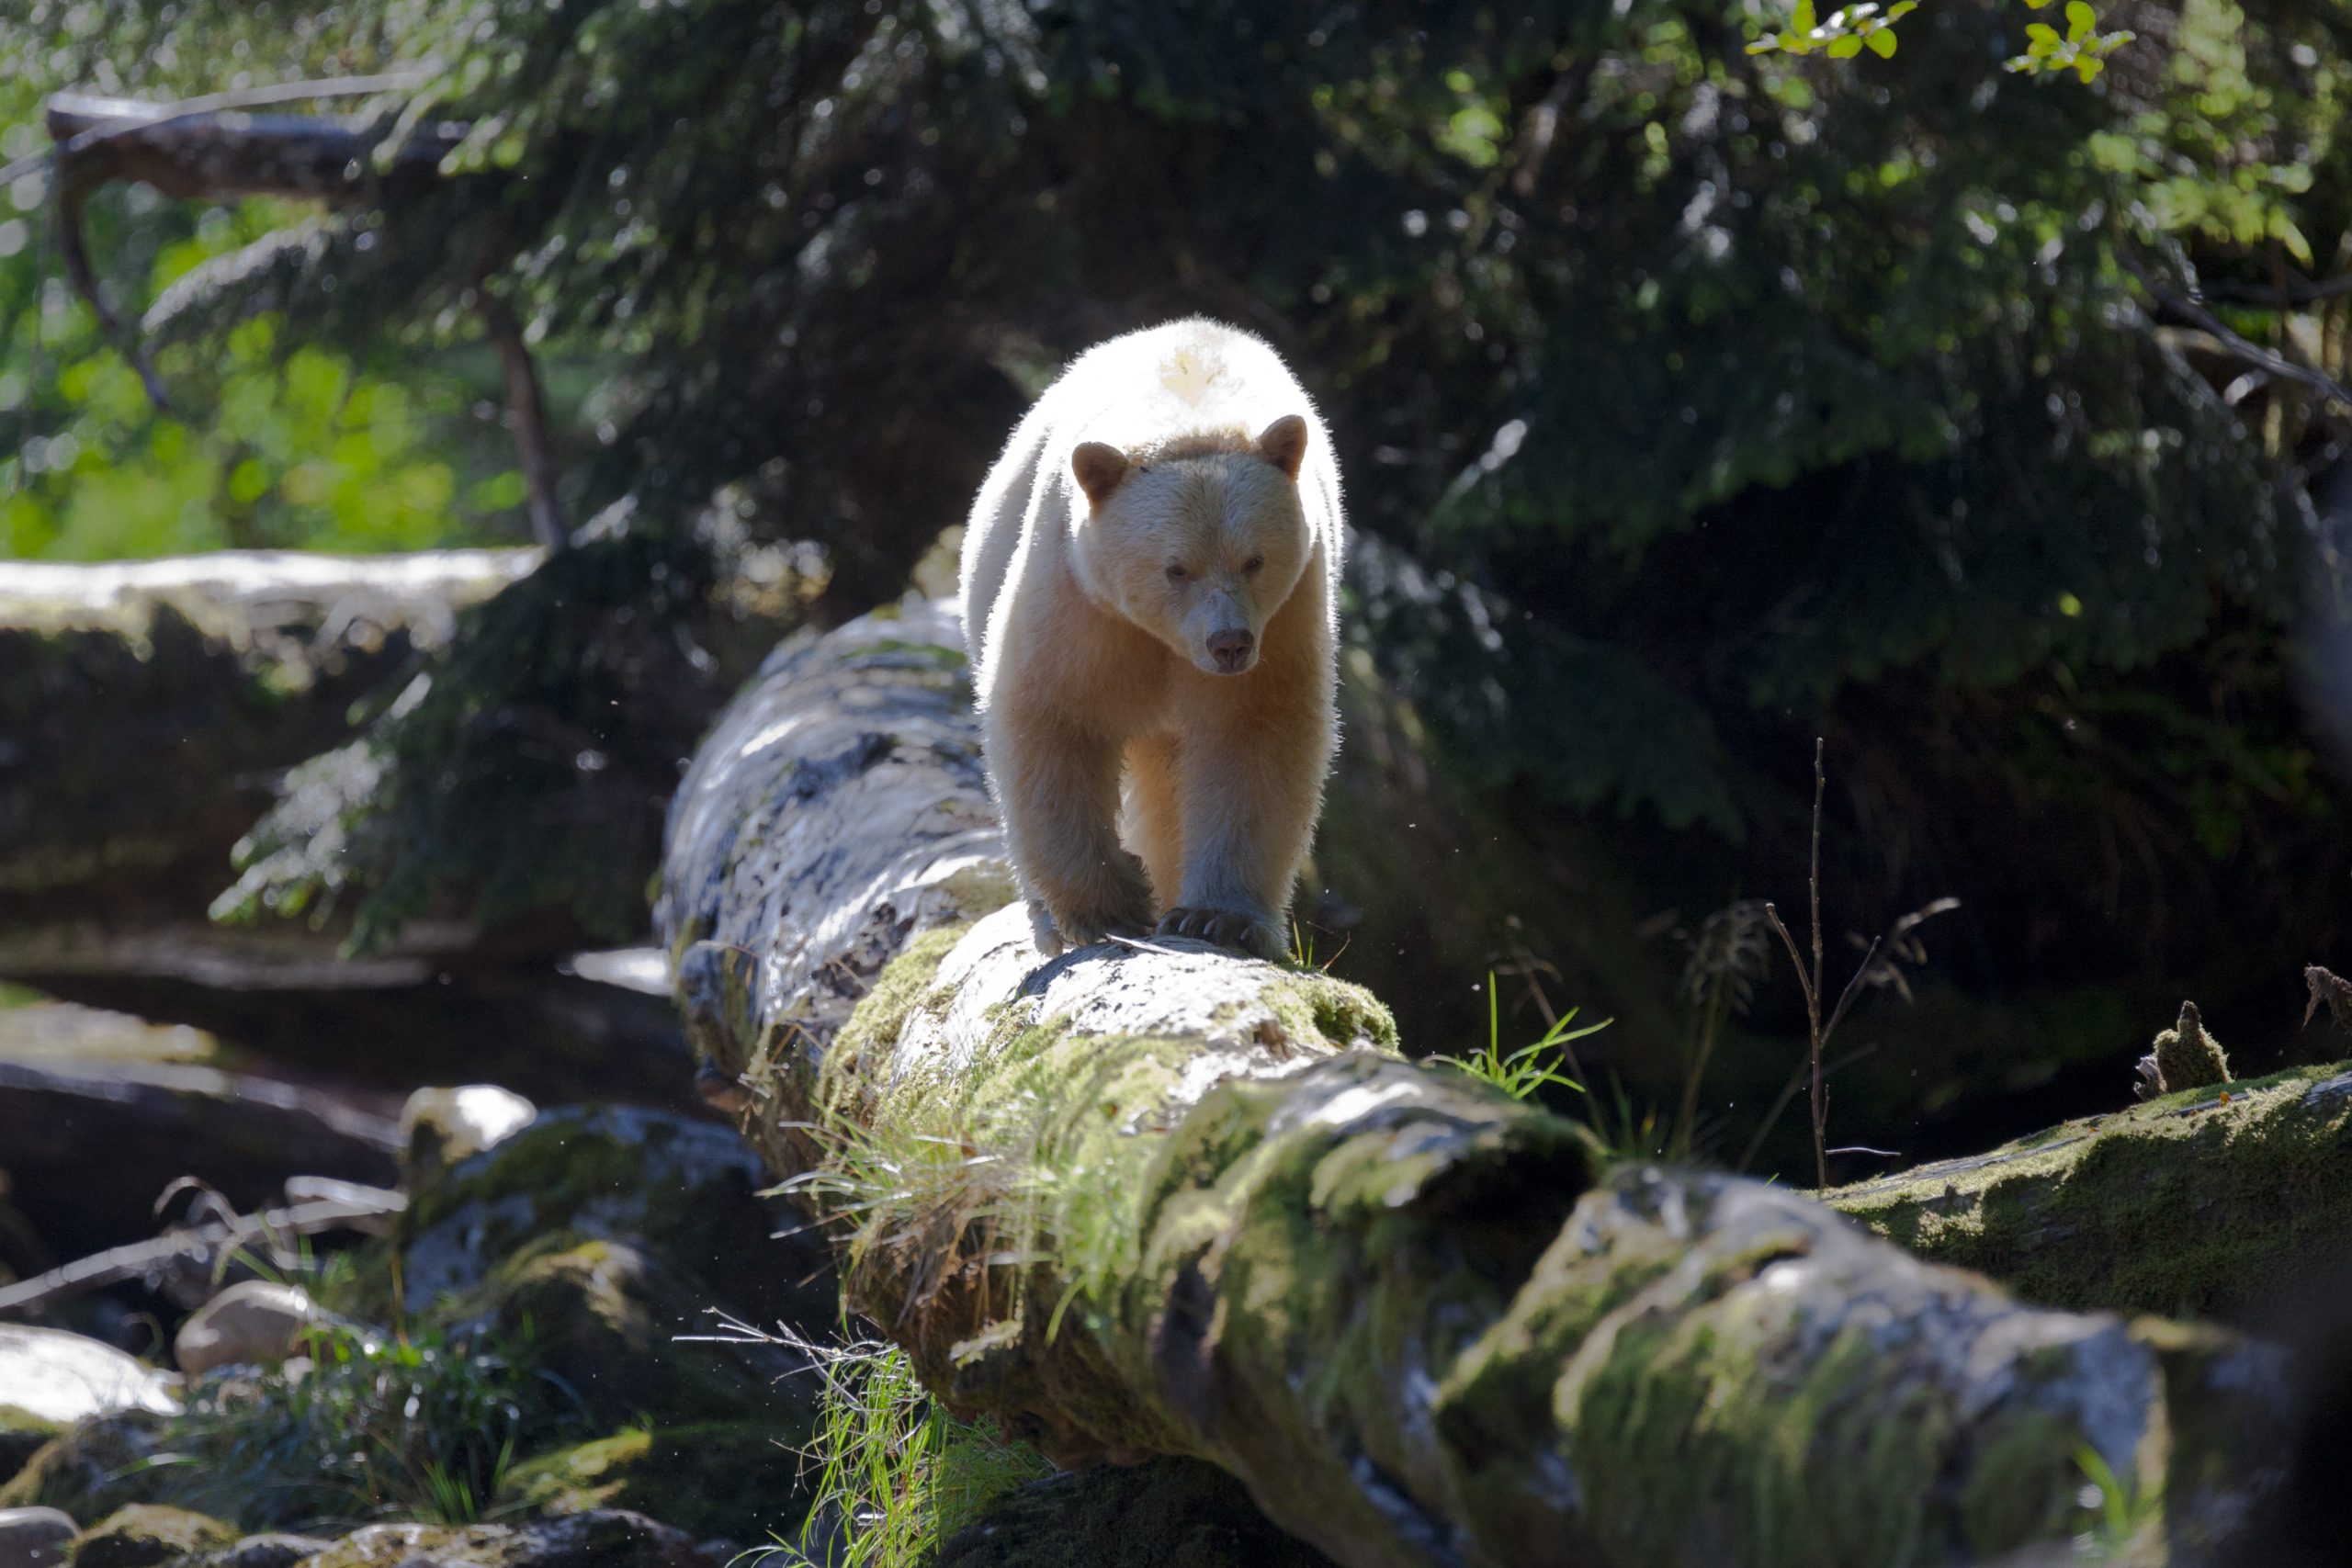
(1251,782)
(1059,786)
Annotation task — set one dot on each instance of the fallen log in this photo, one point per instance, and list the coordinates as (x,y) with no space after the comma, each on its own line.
(2202,1202)
(150,713)
(88,1144)
(1157,1198)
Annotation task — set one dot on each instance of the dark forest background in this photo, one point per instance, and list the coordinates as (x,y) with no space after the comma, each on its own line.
(1692,404)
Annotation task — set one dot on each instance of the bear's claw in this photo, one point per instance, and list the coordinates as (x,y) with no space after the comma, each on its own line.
(1238,929)
(1067,932)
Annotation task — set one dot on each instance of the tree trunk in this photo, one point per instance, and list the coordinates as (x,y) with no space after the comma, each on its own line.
(1157,1198)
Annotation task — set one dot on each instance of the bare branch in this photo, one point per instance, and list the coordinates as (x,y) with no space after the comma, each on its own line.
(1853,987)
(523,401)
(85,283)
(1789,1093)
(1795,957)
(2238,348)
(2299,292)
(198,1249)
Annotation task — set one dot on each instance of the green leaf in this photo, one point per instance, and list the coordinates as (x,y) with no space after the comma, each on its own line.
(1901,8)
(1881,44)
(2041,37)
(1802,22)
(1845,47)
(2087,66)
(2080,20)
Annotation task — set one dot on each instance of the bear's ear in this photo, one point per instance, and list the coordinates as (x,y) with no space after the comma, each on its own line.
(1099,469)
(1283,443)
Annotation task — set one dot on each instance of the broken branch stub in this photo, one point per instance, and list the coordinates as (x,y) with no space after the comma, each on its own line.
(1155,1197)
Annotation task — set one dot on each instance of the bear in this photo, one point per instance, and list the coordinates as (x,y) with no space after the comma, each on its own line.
(1150,594)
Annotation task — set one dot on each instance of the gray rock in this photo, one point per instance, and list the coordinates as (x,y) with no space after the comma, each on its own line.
(254,1323)
(680,1191)
(441,1126)
(143,1534)
(1166,1512)
(600,1538)
(63,1377)
(22,1435)
(93,1467)
(35,1537)
(266,1552)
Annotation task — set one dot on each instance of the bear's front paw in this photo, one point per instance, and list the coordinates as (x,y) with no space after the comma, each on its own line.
(1241,929)
(1084,928)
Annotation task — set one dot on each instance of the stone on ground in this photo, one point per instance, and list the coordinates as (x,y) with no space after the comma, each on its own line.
(35,1537)
(252,1323)
(144,1534)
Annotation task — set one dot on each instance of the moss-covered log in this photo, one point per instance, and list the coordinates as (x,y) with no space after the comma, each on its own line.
(2203,1202)
(1161,1199)
(146,710)
(150,713)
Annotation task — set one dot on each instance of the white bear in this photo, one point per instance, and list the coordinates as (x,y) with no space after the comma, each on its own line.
(1151,583)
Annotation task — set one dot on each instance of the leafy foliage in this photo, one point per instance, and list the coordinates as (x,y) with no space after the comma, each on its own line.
(269,442)
(370,1427)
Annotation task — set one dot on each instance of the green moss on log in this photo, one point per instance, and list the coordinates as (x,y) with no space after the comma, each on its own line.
(2196,1203)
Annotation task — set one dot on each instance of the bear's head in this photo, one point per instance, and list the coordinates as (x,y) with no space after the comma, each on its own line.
(1200,541)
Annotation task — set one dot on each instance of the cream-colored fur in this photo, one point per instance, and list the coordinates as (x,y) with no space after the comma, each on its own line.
(1151,595)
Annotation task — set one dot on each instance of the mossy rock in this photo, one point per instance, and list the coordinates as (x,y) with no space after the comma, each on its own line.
(1169,1513)
(2200,1203)
(603,1538)
(22,1435)
(273,1550)
(92,1468)
(732,1480)
(142,1534)
(682,1192)
(605,1318)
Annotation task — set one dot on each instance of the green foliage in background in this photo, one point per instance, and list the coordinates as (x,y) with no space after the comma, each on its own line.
(372,1427)
(270,442)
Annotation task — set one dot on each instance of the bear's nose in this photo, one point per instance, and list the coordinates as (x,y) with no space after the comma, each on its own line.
(1230,650)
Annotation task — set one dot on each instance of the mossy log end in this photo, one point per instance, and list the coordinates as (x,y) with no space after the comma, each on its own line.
(2204,1202)
(1157,1198)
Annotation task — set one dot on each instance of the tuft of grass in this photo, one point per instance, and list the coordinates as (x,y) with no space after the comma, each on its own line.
(1522,1072)
(2125,1521)
(422,1427)
(895,1473)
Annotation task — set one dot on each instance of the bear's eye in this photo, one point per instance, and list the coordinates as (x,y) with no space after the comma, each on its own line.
(1175,573)
(1253,563)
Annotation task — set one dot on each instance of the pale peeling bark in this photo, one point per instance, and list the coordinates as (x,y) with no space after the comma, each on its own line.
(1159,1198)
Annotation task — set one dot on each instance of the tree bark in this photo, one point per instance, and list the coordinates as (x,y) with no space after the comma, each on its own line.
(1157,1198)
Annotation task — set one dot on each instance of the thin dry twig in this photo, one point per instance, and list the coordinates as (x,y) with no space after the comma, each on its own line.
(1898,946)
(1810,980)
(1789,1093)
